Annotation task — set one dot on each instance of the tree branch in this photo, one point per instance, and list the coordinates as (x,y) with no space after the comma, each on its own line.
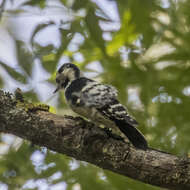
(84,141)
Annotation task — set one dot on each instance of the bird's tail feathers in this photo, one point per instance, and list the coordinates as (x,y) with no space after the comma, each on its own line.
(133,134)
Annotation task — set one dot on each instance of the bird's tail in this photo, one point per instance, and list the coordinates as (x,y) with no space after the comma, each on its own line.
(133,134)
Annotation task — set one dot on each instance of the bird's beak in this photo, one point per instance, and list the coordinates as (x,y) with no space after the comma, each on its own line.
(57,89)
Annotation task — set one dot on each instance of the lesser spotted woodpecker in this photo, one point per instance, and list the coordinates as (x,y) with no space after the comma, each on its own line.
(97,102)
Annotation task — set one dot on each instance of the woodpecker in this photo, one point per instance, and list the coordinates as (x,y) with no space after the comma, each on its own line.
(97,102)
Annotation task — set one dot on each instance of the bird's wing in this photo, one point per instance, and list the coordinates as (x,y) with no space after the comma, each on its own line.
(96,95)
(104,99)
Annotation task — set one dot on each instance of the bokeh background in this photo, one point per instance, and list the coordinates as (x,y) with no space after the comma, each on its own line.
(140,47)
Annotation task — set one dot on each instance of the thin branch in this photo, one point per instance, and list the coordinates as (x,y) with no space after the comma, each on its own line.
(84,141)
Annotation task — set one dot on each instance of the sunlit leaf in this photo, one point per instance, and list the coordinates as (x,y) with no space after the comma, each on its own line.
(126,35)
(52,109)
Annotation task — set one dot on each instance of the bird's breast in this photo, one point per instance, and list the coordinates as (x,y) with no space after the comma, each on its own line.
(93,115)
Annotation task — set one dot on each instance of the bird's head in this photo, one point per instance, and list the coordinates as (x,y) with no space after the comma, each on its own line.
(65,75)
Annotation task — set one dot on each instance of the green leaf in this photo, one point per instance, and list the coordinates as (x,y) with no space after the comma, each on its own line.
(25,58)
(41,51)
(50,66)
(66,37)
(20,77)
(1,82)
(94,29)
(39,28)
(39,3)
(31,96)
(78,4)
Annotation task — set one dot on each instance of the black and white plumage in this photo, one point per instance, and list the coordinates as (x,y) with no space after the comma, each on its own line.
(97,102)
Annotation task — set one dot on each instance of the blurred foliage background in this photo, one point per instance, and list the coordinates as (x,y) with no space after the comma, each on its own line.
(140,47)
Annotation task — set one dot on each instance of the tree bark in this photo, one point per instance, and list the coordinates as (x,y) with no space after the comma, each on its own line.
(83,140)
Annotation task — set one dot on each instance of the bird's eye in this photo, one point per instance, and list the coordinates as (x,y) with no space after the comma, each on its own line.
(65,83)
(57,80)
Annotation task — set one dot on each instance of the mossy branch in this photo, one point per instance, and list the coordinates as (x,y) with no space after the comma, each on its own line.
(84,141)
